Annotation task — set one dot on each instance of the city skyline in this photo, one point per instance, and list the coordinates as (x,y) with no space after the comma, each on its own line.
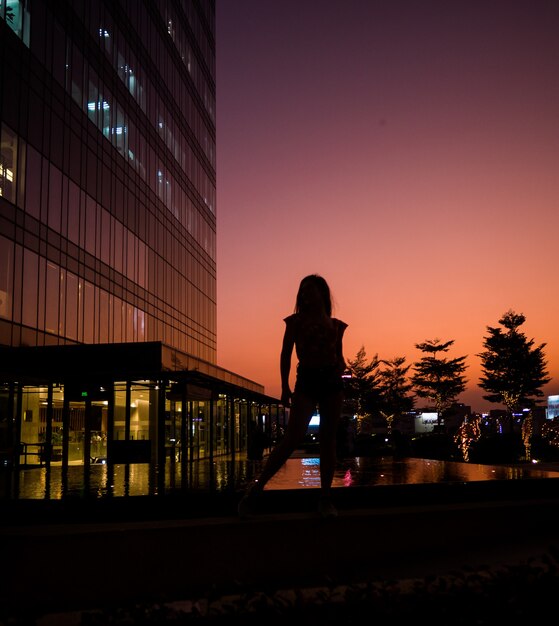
(406,152)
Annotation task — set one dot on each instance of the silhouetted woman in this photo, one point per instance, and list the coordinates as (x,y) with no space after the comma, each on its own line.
(317,338)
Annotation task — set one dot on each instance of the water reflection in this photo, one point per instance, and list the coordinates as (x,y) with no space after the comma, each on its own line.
(370,471)
(127,480)
(224,474)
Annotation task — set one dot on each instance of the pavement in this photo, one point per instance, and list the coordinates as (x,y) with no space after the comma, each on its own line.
(74,557)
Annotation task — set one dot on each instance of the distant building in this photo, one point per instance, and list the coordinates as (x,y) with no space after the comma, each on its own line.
(425,420)
(552,410)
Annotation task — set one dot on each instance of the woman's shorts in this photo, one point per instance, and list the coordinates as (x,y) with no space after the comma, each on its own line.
(318,382)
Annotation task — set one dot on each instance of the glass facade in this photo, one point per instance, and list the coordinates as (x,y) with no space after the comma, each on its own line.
(107,173)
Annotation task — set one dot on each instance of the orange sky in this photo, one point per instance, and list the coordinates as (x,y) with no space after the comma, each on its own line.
(406,151)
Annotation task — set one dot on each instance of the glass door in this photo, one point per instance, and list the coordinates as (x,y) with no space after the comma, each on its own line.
(87,432)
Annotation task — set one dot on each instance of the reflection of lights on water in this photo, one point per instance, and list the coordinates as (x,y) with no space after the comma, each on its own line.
(310,461)
(298,473)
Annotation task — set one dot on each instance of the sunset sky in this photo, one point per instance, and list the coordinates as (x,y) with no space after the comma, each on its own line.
(408,151)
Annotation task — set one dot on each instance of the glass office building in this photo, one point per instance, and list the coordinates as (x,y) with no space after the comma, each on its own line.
(108,240)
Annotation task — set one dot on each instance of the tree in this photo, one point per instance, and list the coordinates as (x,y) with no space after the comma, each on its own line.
(440,380)
(468,433)
(513,368)
(361,391)
(394,389)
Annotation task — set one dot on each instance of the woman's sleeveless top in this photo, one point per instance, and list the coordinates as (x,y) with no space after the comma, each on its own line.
(316,341)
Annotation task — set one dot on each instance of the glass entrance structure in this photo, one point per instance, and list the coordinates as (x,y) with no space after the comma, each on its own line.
(120,420)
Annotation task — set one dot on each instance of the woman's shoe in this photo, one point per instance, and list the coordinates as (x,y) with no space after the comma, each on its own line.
(246,507)
(326,508)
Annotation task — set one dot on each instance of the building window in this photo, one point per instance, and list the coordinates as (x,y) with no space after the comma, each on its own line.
(8,164)
(16,15)
(30,284)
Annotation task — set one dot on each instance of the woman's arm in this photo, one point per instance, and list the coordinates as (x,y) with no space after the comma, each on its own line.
(285,362)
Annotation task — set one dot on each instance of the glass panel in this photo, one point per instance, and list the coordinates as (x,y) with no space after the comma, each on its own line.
(115,310)
(131,443)
(119,130)
(77,75)
(6,277)
(6,433)
(93,104)
(14,16)
(117,245)
(130,265)
(32,427)
(30,274)
(105,235)
(142,263)
(103,316)
(139,413)
(90,228)
(59,54)
(8,164)
(52,298)
(74,213)
(199,420)
(55,198)
(76,431)
(71,330)
(220,427)
(62,305)
(33,183)
(87,439)
(88,313)
(173,443)
(139,325)
(105,111)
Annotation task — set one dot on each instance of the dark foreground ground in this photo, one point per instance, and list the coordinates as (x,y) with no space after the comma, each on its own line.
(474,553)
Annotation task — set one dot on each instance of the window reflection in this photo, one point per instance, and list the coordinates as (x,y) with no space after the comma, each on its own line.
(6,277)
(30,277)
(116,227)
(52,298)
(33,183)
(8,164)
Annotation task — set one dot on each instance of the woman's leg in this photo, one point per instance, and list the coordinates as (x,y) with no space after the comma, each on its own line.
(302,409)
(330,410)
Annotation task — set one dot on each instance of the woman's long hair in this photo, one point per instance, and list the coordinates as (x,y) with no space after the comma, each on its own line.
(323,289)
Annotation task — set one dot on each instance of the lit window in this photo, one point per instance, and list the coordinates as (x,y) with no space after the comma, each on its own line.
(8,161)
(17,18)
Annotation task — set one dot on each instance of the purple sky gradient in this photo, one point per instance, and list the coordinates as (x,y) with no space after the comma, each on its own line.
(408,151)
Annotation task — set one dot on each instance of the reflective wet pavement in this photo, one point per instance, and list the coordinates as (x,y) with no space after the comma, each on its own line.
(302,471)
